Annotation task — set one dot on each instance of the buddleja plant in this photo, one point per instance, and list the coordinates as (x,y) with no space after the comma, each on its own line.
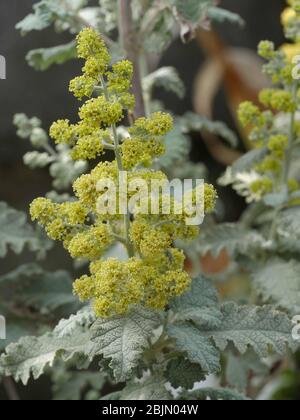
(148,324)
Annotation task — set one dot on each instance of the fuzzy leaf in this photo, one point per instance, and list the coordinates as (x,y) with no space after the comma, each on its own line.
(32,355)
(212,394)
(47,12)
(182,373)
(288,231)
(194,122)
(70,386)
(16,233)
(43,58)
(84,318)
(37,21)
(248,160)
(232,237)
(123,339)
(279,282)
(221,15)
(198,348)
(177,148)
(193,10)
(152,389)
(239,368)
(32,287)
(167,78)
(262,328)
(200,304)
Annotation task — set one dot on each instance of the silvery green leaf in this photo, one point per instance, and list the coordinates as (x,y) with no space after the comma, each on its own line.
(214,394)
(194,122)
(45,292)
(221,15)
(43,58)
(198,347)
(200,304)
(233,238)
(16,233)
(182,373)
(278,282)
(167,78)
(123,339)
(261,328)
(85,317)
(33,355)
(151,389)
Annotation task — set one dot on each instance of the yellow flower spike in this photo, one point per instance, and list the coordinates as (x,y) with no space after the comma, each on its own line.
(293,185)
(82,86)
(154,272)
(287,15)
(42,210)
(155,242)
(119,79)
(100,111)
(290,50)
(249,114)
(262,186)
(62,132)
(210,198)
(135,152)
(89,43)
(88,147)
(84,288)
(90,244)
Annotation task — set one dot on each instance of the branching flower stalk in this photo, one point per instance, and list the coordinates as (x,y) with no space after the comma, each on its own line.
(154,272)
(126,240)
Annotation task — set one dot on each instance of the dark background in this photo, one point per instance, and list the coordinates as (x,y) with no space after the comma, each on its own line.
(45,95)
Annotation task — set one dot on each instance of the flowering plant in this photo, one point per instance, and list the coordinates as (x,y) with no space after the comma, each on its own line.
(145,325)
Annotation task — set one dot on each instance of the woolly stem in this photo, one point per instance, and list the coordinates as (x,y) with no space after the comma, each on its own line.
(126,241)
(131,47)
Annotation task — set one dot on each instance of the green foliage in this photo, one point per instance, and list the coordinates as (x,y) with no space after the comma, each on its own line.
(200,304)
(44,292)
(43,58)
(261,328)
(233,238)
(124,339)
(16,233)
(152,389)
(199,349)
(194,122)
(182,373)
(145,352)
(215,395)
(279,282)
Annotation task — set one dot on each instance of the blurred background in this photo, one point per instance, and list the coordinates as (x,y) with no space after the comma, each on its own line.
(45,95)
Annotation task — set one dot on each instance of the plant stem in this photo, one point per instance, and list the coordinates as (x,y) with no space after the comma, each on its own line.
(10,389)
(286,165)
(126,240)
(131,47)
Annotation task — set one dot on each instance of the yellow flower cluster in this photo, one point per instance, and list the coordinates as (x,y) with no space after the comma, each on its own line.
(278,99)
(275,139)
(68,223)
(116,285)
(90,137)
(154,272)
(290,20)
